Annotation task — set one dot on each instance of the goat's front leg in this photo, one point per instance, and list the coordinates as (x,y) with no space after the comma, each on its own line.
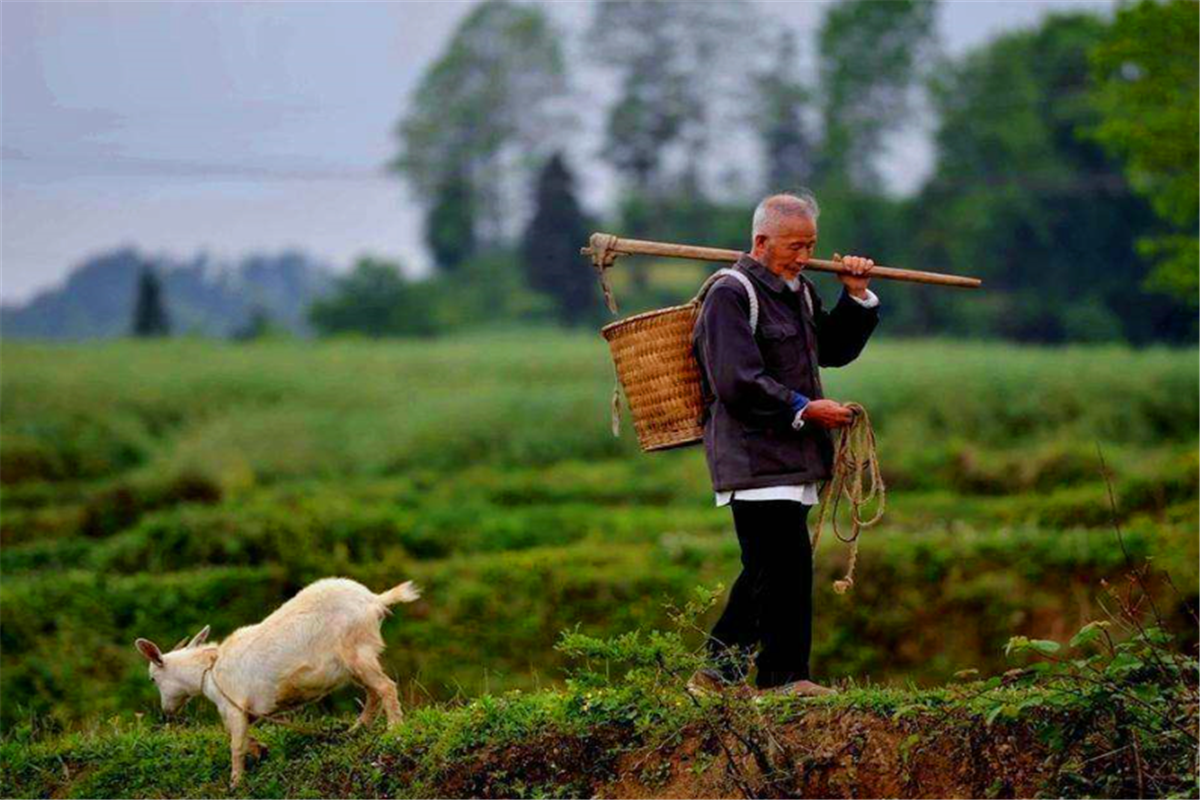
(238,728)
(257,749)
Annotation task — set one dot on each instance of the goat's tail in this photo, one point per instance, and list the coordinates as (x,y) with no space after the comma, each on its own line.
(404,593)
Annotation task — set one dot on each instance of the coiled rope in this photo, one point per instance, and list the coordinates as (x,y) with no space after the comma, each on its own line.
(856,478)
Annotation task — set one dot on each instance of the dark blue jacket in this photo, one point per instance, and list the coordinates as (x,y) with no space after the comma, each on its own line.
(748,378)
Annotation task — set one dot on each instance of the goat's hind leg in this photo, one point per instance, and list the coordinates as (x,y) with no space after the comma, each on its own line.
(364,664)
(369,712)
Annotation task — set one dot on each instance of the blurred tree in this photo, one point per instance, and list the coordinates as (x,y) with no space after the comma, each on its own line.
(489,291)
(1146,68)
(257,326)
(1022,199)
(677,77)
(483,115)
(375,300)
(871,56)
(676,70)
(550,247)
(150,312)
(450,224)
(782,100)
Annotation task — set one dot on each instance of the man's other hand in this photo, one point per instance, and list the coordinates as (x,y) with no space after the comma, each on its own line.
(828,413)
(858,278)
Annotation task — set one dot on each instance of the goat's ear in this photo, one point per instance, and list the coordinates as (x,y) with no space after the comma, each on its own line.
(201,637)
(180,644)
(150,650)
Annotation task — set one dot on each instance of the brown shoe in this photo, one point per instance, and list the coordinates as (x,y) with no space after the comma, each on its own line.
(802,689)
(706,682)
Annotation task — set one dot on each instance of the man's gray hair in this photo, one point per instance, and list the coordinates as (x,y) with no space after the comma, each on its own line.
(778,206)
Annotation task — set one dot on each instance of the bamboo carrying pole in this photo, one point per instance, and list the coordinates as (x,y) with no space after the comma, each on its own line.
(605,247)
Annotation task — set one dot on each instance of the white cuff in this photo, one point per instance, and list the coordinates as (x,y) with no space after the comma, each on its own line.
(870,301)
(798,421)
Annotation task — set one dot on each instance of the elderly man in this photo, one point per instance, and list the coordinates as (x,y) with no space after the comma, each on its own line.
(766,434)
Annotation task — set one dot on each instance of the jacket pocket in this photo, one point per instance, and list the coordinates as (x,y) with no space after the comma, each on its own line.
(782,345)
(774,452)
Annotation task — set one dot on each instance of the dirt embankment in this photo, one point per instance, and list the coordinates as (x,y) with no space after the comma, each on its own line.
(825,753)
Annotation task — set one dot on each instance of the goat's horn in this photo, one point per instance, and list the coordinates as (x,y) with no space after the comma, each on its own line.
(200,637)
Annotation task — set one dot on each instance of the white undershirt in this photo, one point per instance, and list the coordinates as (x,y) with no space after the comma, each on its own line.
(805,493)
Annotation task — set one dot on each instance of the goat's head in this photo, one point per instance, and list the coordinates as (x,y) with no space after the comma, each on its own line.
(177,674)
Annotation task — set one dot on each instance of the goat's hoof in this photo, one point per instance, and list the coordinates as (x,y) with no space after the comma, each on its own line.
(258,750)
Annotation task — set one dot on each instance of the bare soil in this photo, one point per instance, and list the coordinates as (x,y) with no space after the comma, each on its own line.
(824,753)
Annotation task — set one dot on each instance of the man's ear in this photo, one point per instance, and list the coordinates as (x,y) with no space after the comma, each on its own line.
(150,650)
(760,240)
(201,637)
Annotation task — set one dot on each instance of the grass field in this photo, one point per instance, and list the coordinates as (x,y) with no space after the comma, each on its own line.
(152,488)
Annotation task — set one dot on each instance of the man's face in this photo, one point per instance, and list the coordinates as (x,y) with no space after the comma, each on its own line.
(790,247)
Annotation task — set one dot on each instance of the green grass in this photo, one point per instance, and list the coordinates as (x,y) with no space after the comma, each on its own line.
(151,488)
(564,743)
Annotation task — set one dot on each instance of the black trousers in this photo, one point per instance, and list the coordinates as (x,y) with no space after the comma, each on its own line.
(771,602)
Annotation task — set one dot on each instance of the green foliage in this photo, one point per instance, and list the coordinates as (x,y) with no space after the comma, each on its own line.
(675,69)
(258,326)
(870,59)
(782,100)
(375,299)
(450,223)
(1133,700)
(489,101)
(1145,71)
(550,246)
(483,464)
(1111,737)
(1032,204)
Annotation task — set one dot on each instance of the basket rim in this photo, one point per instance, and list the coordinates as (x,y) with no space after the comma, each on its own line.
(612,326)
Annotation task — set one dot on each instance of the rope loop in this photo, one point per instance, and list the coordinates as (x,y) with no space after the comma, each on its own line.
(603,251)
(857,479)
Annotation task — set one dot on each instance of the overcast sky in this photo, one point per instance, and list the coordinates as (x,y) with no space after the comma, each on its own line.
(234,127)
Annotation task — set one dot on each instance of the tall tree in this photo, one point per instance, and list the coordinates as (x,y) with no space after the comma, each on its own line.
(450,223)
(870,60)
(484,114)
(782,128)
(677,73)
(678,76)
(1030,203)
(551,245)
(1146,69)
(150,311)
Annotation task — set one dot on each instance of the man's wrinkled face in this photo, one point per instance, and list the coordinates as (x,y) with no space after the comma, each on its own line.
(789,247)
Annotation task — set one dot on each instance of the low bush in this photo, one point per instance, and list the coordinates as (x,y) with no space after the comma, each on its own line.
(925,605)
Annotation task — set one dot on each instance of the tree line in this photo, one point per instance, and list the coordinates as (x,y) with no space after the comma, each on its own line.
(1065,163)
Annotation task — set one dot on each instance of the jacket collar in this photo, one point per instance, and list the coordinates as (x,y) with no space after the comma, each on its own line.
(749,264)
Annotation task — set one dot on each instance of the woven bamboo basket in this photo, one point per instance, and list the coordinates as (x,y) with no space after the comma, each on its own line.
(659,375)
(658,371)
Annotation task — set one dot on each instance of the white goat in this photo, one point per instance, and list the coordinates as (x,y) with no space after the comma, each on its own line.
(325,636)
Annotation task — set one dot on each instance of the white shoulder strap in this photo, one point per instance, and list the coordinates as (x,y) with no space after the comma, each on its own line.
(749,290)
